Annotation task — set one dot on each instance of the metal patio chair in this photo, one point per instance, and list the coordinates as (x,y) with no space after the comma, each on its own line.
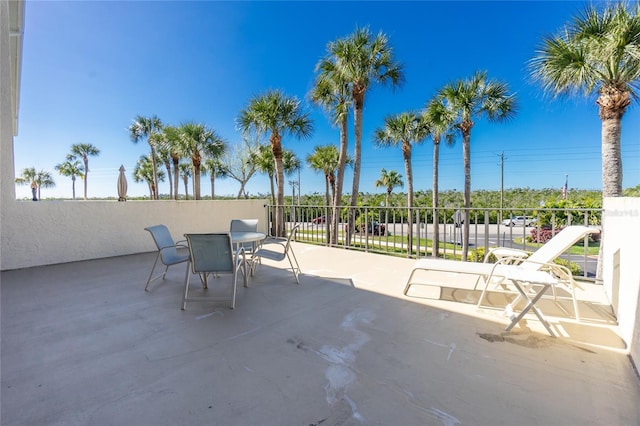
(212,254)
(167,251)
(278,249)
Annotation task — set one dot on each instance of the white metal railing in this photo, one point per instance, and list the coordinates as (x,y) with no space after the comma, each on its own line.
(389,230)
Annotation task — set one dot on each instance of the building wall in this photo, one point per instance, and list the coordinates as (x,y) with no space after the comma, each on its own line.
(6,111)
(621,266)
(48,232)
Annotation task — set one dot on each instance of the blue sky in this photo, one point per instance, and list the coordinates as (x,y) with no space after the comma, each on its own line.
(90,67)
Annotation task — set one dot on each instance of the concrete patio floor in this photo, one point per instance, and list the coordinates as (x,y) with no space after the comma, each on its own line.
(83,344)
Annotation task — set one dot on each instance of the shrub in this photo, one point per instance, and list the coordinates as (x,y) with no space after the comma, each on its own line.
(542,235)
(477,255)
(573,267)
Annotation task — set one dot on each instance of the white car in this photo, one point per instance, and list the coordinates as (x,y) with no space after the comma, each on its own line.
(519,221)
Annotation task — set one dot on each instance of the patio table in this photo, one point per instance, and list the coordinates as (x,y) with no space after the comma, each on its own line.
(525,280)
(239,237)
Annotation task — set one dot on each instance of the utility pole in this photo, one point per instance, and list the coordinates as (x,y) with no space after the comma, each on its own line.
(293,184)
(299,187)
(501,185)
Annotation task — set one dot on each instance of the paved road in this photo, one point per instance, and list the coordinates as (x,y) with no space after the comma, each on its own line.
(490,235)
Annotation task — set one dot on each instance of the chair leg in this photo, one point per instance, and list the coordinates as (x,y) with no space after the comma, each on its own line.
(575,303)
(151,273)
(186,287)
(296,268)
(484,290)
(233,290)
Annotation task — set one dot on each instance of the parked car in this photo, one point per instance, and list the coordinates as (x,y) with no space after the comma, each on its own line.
(375,228)
(318,220)
(519,221)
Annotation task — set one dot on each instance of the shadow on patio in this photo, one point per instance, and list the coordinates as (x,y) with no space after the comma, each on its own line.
(82,343)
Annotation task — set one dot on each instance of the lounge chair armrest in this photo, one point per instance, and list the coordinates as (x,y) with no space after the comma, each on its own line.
(560,272)
(506,253)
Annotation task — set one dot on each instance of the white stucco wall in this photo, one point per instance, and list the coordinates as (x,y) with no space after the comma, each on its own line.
(48,232)
(621,266)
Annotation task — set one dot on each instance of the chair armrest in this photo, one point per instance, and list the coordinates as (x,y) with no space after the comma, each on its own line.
(505,252)
(270,240)
(561,273)
(269,244)
(176,246)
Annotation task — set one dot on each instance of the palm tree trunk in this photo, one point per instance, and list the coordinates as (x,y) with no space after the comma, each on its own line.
(86,174)
(386,211)
(337,194)
(327,200)
(167,165)
(357,151)
(406,153)
(73,186)
(213,178)
(466,139)
(176,176)
(611,157)
(276,148)
(273,202)
(196,181)
(155,172)
(436,232)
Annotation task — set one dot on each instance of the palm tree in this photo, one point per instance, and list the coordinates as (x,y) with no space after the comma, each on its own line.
(198,141)
(28,177)
(84,150)
(171,139)
(71,168)
(265,163)
(404,129)
(439,120)
(325,159)
(44,179)
(147,127)
(332,94)
(185,172)
(597,53)
(474,98)
(278,115)
(215,169)
(143,172)
(163,151)
(389,181)
(361,60)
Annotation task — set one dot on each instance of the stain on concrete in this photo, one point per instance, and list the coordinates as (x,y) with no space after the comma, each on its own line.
(528,341)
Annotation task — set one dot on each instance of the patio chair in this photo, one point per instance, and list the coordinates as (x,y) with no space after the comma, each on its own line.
(212,254)
(245,225)
(541,259)
(167,251)
(278,249)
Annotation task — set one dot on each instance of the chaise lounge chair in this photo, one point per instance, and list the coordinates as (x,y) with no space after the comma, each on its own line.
(541,260)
